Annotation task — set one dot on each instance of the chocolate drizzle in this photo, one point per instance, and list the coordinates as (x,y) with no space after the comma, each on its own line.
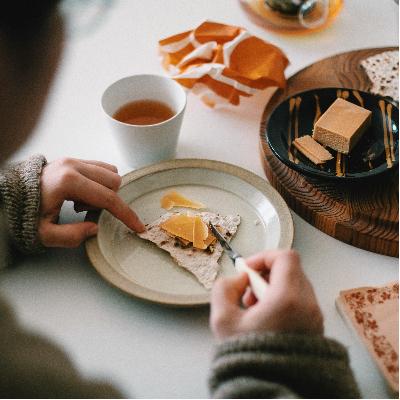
(385,135)
(296,125)
(292,102)
(340,165)
(317,109)
(358,97)
(389,108)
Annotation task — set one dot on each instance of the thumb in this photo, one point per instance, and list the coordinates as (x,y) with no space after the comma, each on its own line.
(66,235)
(230,290)
(225,300)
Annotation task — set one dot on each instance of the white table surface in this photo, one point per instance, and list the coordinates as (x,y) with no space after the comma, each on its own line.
(148,350)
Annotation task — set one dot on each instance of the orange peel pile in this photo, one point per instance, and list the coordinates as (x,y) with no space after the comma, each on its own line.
(222,63)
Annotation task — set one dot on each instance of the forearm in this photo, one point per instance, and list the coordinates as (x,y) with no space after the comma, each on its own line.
(20,201)
(282,366)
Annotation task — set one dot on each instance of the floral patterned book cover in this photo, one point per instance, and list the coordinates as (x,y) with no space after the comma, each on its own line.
(374,314)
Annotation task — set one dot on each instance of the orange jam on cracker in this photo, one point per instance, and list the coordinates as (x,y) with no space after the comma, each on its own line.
(189,228)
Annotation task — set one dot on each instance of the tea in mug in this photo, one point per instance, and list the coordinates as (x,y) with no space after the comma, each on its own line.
(144,112)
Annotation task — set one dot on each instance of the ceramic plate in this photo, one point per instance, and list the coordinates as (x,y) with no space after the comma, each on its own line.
(376,153)
(141,269)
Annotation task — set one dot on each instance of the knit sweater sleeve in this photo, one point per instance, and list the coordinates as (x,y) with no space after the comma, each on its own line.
(282,366)
(20,201)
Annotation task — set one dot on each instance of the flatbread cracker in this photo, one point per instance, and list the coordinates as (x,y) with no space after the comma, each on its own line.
(383,72)
(202,264)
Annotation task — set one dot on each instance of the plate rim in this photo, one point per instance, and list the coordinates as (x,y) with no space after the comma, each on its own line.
(111,276)
(321,174)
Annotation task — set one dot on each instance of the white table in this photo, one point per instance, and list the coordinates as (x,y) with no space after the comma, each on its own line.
(148,350)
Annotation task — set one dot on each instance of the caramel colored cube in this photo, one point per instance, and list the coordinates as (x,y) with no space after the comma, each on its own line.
(342,125)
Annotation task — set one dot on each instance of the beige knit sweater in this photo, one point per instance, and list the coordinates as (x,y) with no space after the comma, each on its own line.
(249,366)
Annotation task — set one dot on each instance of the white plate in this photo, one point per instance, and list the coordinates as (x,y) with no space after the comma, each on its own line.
(143,270)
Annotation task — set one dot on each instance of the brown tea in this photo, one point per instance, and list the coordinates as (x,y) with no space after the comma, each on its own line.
(143,112)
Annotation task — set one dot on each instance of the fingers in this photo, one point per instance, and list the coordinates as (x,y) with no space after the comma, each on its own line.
(230,290)
(79,207)
(286,270)
(101,175)
(265,259)
(67,235)
(92,183)
(289,304)
(248,298)
(96,195)
(274,260)
(102,164)
(225,302)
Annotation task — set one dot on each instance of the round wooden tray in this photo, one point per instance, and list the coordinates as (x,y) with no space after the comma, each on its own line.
(365,215)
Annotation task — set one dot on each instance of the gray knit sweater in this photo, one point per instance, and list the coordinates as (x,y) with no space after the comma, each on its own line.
(249,366)
(282,366)
(20,201)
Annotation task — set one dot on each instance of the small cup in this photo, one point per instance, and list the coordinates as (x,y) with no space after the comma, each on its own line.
(145,144)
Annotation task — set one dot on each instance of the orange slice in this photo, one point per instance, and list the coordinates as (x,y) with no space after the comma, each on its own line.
(210,239)
(175,199)
(200,233)
(179,225)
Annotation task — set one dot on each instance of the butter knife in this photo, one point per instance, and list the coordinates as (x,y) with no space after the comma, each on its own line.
(258,284)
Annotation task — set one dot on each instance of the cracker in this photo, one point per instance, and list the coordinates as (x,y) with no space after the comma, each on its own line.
(201,263)
(383,72)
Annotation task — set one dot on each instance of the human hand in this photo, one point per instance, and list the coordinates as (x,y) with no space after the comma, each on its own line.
(290,304)
(90,185)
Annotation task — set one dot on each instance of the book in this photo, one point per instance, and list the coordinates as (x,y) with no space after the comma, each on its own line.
(373,312)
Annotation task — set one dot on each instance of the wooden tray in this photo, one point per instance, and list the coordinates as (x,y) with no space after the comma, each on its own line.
(364,215)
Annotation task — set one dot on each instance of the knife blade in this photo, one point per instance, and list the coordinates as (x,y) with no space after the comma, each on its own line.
(258,284)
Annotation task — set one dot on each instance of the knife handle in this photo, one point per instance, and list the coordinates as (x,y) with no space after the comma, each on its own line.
(258,284)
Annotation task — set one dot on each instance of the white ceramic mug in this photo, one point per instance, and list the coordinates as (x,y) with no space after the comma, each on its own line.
(145,144)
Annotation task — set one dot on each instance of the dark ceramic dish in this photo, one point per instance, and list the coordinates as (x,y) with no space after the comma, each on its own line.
(377,152)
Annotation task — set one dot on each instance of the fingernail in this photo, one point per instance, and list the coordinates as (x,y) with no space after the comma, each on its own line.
(92,230)
(142,228)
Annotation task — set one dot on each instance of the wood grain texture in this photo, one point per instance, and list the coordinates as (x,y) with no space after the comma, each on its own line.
(365,215)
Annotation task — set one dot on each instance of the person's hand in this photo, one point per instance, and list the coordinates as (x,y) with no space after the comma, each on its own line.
(91,185)
(290,304)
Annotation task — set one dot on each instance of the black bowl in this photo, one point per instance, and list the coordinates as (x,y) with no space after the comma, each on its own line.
(376,153)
